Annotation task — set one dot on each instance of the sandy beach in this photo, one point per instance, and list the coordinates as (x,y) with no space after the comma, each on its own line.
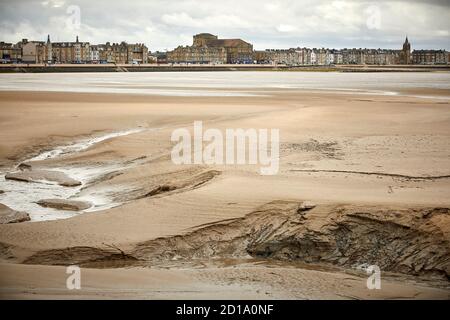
(364,179)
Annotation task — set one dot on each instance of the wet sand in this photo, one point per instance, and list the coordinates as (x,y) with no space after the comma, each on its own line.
(20,282)
(336,149)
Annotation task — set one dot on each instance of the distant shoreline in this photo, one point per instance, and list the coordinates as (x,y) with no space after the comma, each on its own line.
(60,68)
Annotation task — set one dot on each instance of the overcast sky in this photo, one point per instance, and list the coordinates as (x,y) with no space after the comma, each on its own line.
(266,24)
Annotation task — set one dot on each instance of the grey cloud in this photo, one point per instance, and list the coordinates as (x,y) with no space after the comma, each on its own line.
(267,24)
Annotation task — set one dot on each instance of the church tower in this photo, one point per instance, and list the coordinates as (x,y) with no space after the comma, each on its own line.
(406,52)
(49,49)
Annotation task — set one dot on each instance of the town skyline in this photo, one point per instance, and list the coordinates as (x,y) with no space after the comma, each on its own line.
(274,24)
(255,46)
(207,48)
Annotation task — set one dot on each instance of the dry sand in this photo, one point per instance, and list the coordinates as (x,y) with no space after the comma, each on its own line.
(388,152)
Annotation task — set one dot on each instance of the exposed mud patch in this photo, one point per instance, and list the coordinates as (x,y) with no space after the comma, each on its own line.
(6,251)
(413,241)
(404,240)
(109,256)
(174,182)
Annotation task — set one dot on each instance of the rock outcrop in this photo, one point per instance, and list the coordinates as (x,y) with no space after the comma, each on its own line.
(8,215)
(43,175)
(62,204)
(24,166)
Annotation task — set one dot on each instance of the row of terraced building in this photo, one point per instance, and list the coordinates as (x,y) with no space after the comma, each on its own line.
(209,49)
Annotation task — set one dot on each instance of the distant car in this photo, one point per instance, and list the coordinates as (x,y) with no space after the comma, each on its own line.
(135,62)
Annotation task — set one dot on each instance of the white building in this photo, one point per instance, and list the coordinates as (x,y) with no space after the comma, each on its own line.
(94,54)
(313,57)
(330,58)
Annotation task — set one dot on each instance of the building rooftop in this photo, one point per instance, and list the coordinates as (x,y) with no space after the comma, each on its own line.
(226,43)
(205,35)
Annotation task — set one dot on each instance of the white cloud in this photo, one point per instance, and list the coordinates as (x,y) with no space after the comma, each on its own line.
(182,19)
(53,3)
(286,28)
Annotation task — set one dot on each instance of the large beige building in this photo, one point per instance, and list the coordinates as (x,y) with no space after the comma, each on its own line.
(121,53)
(137,53)
(208,48)
(35,52)
(192,54)
(70,52)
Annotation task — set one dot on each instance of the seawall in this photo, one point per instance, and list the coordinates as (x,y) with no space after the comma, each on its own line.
(60,68)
